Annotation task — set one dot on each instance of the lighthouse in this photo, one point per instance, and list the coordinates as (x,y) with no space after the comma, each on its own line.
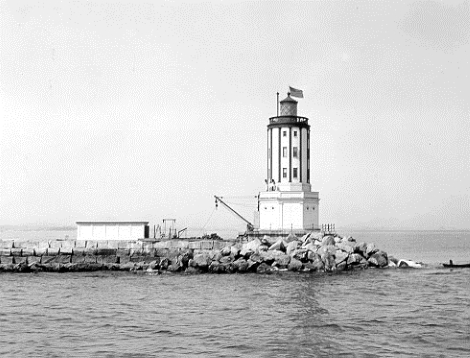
(288,203)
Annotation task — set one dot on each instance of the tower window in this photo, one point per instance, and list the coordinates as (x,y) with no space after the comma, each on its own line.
(284,133)
(284,152)
(295,152)
(294,174)
(284,172)
(295,133)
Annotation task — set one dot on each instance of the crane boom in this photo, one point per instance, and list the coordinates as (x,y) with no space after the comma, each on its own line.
(249,225)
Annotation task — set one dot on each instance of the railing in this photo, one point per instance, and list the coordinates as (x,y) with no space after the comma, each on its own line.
(328,229)
(288,119)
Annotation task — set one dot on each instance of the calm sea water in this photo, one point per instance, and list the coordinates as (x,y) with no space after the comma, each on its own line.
(371,313)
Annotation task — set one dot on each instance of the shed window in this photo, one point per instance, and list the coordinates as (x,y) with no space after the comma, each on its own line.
(284,172)
(294,173)
(284,152)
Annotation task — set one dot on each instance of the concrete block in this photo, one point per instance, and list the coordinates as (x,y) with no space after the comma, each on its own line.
(123,244)
(80,243)
(79,251)
(42,245)
(58,259)
(124,259)
(66,250)
(183,244)
(146,259)
(218,245)
(55,244)
(122,252)
(41,251)
(5,252)
(113,244)
(159,245)
(194,245)
(161,252)
(28,252)
(77,259)
(16,251)
(91,244)
(8,243)
(19,260)
(207,245)
(104,251)
(106,259)
(53,251)
(27,244)
(67,245)
(89,259)
(6,260)
(89,251)
(33,259)
(136,252)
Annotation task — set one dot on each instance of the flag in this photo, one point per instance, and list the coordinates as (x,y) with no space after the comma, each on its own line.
(296,92)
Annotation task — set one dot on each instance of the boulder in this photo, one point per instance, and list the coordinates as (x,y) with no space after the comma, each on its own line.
(329,261)
(129,266)
(267,257)
(263,248)
(354,259)
(370,250)
(192,270)
(341,256)
(328,240)
(338,239)
(346,246)
(234,251)
(378,260)
(216,267)
(311,247)
(291,247)
(282,261)
(360,248)
(252,265)
(226,260)
(301,255)
(317,265)
(349,239)
(291,238)
(264,269)
(241,265)
(252,245)
(256,258)
(294,265)
(28,252)
(408,264)
(245,253)
(313,256)
(330,249)
(164,263)
(341,266)
(279,245)
(201,261)
(226,251)
(174,267)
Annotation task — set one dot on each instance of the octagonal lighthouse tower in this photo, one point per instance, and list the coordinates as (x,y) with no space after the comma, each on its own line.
(288,204)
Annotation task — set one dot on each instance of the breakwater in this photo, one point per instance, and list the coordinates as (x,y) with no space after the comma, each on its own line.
(313,252)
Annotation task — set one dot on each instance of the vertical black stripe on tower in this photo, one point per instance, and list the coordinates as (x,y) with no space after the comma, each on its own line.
(271,154)
(279,157)
(268,148)
(290,154)
(308,155)
(300,154)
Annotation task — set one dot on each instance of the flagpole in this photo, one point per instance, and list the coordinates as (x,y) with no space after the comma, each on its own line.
(277,104)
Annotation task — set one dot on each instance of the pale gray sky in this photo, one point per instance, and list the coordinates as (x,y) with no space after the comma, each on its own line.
(143,110)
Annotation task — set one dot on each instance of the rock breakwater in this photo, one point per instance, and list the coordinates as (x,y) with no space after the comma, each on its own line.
(313,252)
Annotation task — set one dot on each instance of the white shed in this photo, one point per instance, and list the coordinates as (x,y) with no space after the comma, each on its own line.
(112,230)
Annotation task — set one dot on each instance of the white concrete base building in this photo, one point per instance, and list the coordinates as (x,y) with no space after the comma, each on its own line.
(288,202)
(112,230)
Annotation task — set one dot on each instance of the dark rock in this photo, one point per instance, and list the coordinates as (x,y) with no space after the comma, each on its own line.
(313,256)
(216,267)
(7,267)
(341,266)
(264,269)
(267,257)
(294,265)
(301,255)
(234,252)
(192,270)
(378,260)
(228,267)
(354,259)
(164,263)
(317,265)
(174,267)
(245,253)
(256,258)
(226,260)
(393,259)
(241,265)
(101,251)
(252,265)
(105,259)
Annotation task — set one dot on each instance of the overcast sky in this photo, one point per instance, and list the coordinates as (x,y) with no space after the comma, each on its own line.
(144,110)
